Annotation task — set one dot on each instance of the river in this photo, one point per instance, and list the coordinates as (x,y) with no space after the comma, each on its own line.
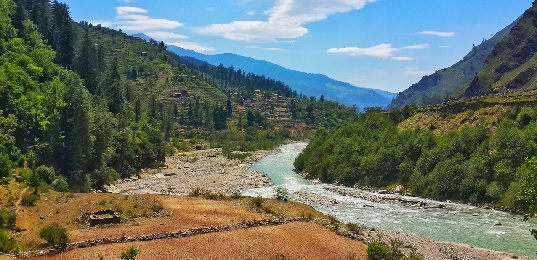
(459,223)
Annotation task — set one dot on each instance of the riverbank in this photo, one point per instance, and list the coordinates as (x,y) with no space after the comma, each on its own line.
(207,170)
(210,171)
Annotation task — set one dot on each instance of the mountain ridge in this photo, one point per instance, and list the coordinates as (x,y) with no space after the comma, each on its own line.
(449,83)
(302,82)
(512,64)
(309,84)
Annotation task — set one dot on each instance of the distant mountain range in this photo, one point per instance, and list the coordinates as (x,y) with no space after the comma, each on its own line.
(306,83)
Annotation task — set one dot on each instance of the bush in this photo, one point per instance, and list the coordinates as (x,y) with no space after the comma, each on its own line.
(5,165)
(60,184)
(47,174)
(282,194)
(55,235)
(257,201)
(30,200)
(7,243)
(130,253)
(378,251)
(7,220)
(104,176)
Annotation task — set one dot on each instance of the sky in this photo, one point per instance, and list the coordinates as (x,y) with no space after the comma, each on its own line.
(382,44)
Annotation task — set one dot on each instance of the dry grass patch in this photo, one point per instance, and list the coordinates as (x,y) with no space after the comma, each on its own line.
(296,240)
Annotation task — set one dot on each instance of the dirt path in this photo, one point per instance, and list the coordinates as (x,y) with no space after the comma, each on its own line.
(19,199)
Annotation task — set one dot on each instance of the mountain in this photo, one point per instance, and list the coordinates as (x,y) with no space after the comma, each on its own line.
(306,83)
(449,83)
(512,65)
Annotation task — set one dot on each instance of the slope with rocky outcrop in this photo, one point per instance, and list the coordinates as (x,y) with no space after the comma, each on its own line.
(513,62)
(447,83)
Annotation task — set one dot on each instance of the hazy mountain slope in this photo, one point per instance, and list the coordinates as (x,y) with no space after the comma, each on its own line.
(513,62)
(305,83)
(445,83)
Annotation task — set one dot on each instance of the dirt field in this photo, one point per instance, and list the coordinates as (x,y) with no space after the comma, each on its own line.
(294,241)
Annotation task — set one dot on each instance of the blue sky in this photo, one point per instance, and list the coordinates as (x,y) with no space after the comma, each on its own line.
(383,44)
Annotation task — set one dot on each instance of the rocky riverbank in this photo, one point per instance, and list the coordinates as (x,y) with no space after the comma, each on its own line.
(207,170)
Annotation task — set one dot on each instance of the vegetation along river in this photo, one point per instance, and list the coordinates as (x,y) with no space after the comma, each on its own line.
(458,223)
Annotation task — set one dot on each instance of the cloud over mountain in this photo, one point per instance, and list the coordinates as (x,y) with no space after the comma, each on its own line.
(286,20)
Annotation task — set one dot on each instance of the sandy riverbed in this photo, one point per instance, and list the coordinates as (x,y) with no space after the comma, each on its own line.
(208,170)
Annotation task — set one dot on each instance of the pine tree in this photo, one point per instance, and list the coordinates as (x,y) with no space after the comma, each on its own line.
(87,63)
(76,126)
(112,88)
(41,15)
(229,108)
(63,34)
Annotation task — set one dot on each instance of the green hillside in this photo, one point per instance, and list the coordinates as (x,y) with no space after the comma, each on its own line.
(148,68)
(82,105)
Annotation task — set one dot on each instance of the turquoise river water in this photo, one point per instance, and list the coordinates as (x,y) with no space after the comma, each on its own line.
(456,222)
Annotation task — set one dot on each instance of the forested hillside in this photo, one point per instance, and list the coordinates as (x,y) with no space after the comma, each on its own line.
(82,105)
(308,84)
(474,164)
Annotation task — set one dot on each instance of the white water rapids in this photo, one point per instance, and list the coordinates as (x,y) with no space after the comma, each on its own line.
(459,223)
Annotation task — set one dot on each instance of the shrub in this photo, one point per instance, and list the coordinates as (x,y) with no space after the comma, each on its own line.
(280,256)
(257,201)
(60,184)
(198,192)
(7,219)
(282,194)
(378,251)
(30,200)
(47,174)
(54,234)
(7,243)
(130,253)
(5,165)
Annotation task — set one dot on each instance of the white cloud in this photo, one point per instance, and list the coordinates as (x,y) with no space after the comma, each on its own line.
(402,58)
(437,33)
(165,35)
(417,46)
(384,50)
(286,20)
(414,71)
(250,13)
(381,51)
(132,18)
(262,48)
(197,47)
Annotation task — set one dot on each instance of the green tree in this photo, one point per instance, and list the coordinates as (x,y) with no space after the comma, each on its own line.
(527,197)
(75,149)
